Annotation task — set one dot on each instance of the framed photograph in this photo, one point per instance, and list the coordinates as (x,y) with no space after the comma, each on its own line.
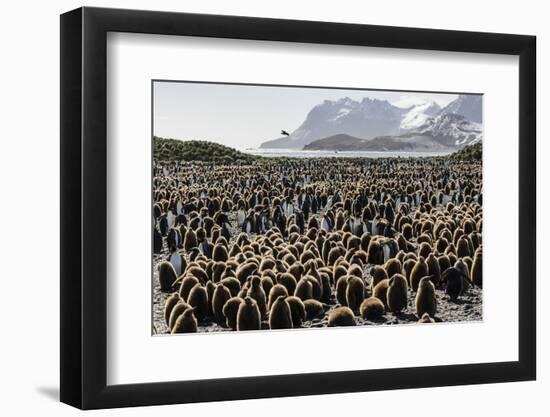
(260,208)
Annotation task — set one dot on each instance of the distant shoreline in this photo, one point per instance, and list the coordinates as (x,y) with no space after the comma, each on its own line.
(295,153)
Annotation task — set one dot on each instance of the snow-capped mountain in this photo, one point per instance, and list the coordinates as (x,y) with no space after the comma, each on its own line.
(452,130)
(365,119)
(469,106)
(445,132)
(419,114)
(456,125)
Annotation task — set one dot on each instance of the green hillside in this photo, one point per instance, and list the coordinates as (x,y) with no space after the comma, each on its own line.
(197,150)
(471,152)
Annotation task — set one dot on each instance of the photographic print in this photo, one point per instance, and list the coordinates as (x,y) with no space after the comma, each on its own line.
(287,207)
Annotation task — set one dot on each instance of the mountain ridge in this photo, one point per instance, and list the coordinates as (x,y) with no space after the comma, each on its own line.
(445,132)
(367,118)
(374,118)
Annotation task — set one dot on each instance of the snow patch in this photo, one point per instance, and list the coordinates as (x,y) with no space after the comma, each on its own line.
(418,115)
(342,112)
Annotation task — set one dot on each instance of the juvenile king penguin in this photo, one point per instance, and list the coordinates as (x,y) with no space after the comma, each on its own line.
(190,240)
(257,292)
(397,293)
(393,266)
(341,316)
(372,309)
(378,274)
(169,305)
(178,310)
(477,269)
(462,266)
(167,276)
(276,291)
(288,281)
(185,323)
(419,271)
(380,291)
(232,284)
(230,309)
(280,316)
(219,298)
(433,268)
(297,311)
(355,292)
(314,309)
(375,253)
(186,285)
(219,253)
(304,289)
(426,301)
(198,299)
(408,266)
(248,315)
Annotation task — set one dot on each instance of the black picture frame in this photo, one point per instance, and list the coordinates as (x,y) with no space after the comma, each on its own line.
(84,207)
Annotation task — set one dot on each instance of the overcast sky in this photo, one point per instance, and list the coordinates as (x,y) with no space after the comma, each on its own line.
(243,116)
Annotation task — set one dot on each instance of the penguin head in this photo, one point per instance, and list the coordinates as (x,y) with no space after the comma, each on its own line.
(255,281)
(280,299)
(188,312)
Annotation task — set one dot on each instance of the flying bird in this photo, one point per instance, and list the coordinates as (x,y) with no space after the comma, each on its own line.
(284,132)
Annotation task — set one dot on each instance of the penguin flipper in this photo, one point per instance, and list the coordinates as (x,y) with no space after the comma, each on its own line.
(177,282)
